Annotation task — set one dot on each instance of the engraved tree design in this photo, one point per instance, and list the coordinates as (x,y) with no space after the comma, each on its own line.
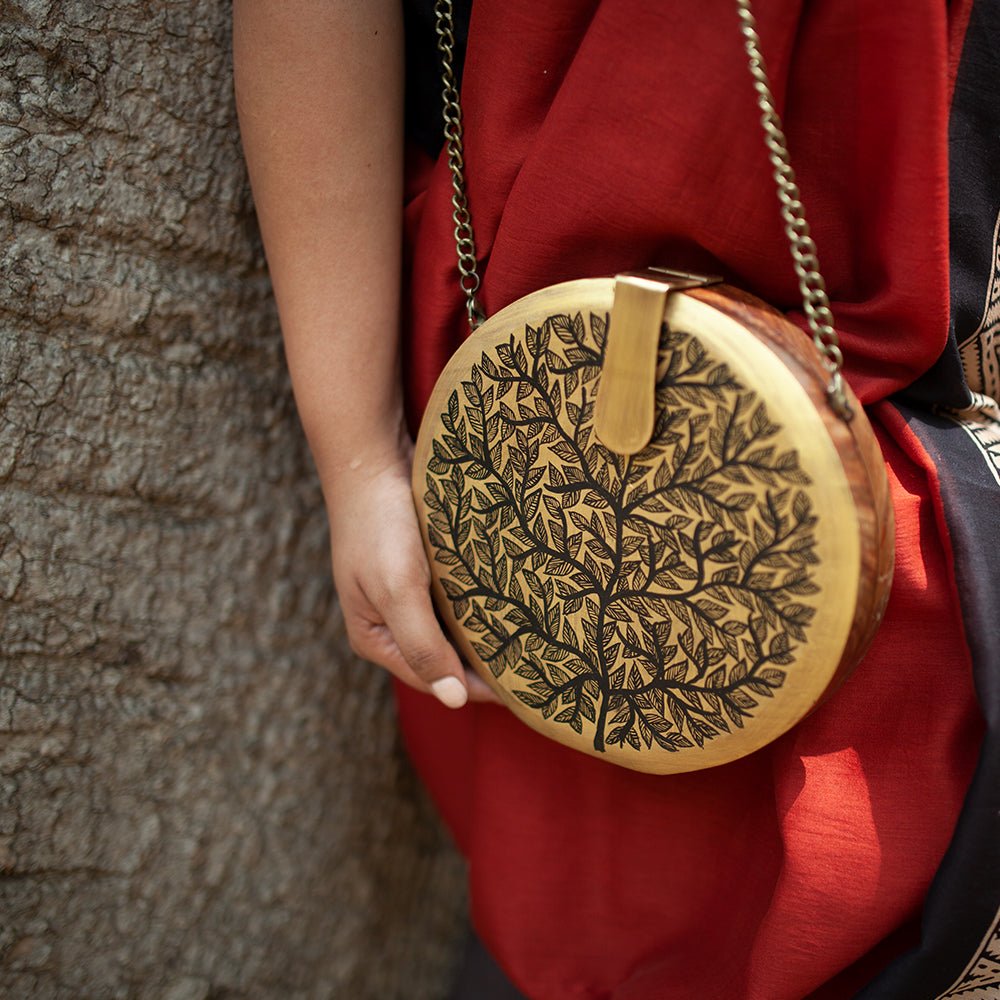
(654,598)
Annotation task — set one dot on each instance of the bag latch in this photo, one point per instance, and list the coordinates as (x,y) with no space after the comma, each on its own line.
(625,406)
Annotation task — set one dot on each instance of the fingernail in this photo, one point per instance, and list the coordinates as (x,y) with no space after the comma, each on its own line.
(450,691)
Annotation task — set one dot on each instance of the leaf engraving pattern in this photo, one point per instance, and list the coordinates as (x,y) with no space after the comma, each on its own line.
(650,599)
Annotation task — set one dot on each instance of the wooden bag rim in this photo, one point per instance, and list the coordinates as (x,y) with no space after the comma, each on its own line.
(594,295)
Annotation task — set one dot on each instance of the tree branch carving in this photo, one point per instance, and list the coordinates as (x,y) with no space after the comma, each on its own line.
(655,599)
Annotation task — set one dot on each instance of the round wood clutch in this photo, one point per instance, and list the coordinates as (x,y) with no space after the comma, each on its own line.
(673,608)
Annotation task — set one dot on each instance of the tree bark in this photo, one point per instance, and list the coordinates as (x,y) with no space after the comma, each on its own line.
(202,793)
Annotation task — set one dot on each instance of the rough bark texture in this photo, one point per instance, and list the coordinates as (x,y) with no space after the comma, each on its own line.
(201,791)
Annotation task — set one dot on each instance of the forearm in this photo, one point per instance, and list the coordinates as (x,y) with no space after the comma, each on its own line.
(319,95)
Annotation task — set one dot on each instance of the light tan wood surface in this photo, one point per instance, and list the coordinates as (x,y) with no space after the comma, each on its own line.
(625,408)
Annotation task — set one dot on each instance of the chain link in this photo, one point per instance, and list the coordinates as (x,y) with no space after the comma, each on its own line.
(815,303)
(465,245)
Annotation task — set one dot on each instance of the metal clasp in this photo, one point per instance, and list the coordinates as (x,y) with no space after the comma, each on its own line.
(625,407)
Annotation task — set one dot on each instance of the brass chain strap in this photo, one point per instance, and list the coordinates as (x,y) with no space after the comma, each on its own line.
(815,303)
(465,244)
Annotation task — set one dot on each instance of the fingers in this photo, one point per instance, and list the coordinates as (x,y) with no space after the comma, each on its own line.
(479,690)
(431,656)
(383,581)
(409,616)
(400,632)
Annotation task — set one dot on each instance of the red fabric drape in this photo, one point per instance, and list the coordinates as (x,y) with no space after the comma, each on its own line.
(604,135)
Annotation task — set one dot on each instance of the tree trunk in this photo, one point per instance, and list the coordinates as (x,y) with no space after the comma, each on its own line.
(201,791)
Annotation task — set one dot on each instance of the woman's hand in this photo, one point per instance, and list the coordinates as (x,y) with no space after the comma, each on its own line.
(383,581)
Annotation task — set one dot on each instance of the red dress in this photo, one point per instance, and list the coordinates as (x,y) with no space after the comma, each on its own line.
(604,135)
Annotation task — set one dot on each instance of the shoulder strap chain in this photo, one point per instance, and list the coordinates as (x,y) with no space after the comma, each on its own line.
(815,303)
(465,245)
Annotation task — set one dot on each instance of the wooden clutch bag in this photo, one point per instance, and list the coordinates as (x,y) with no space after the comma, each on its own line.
(673,608)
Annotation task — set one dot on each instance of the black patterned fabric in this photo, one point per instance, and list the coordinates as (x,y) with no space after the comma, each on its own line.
(954,413)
